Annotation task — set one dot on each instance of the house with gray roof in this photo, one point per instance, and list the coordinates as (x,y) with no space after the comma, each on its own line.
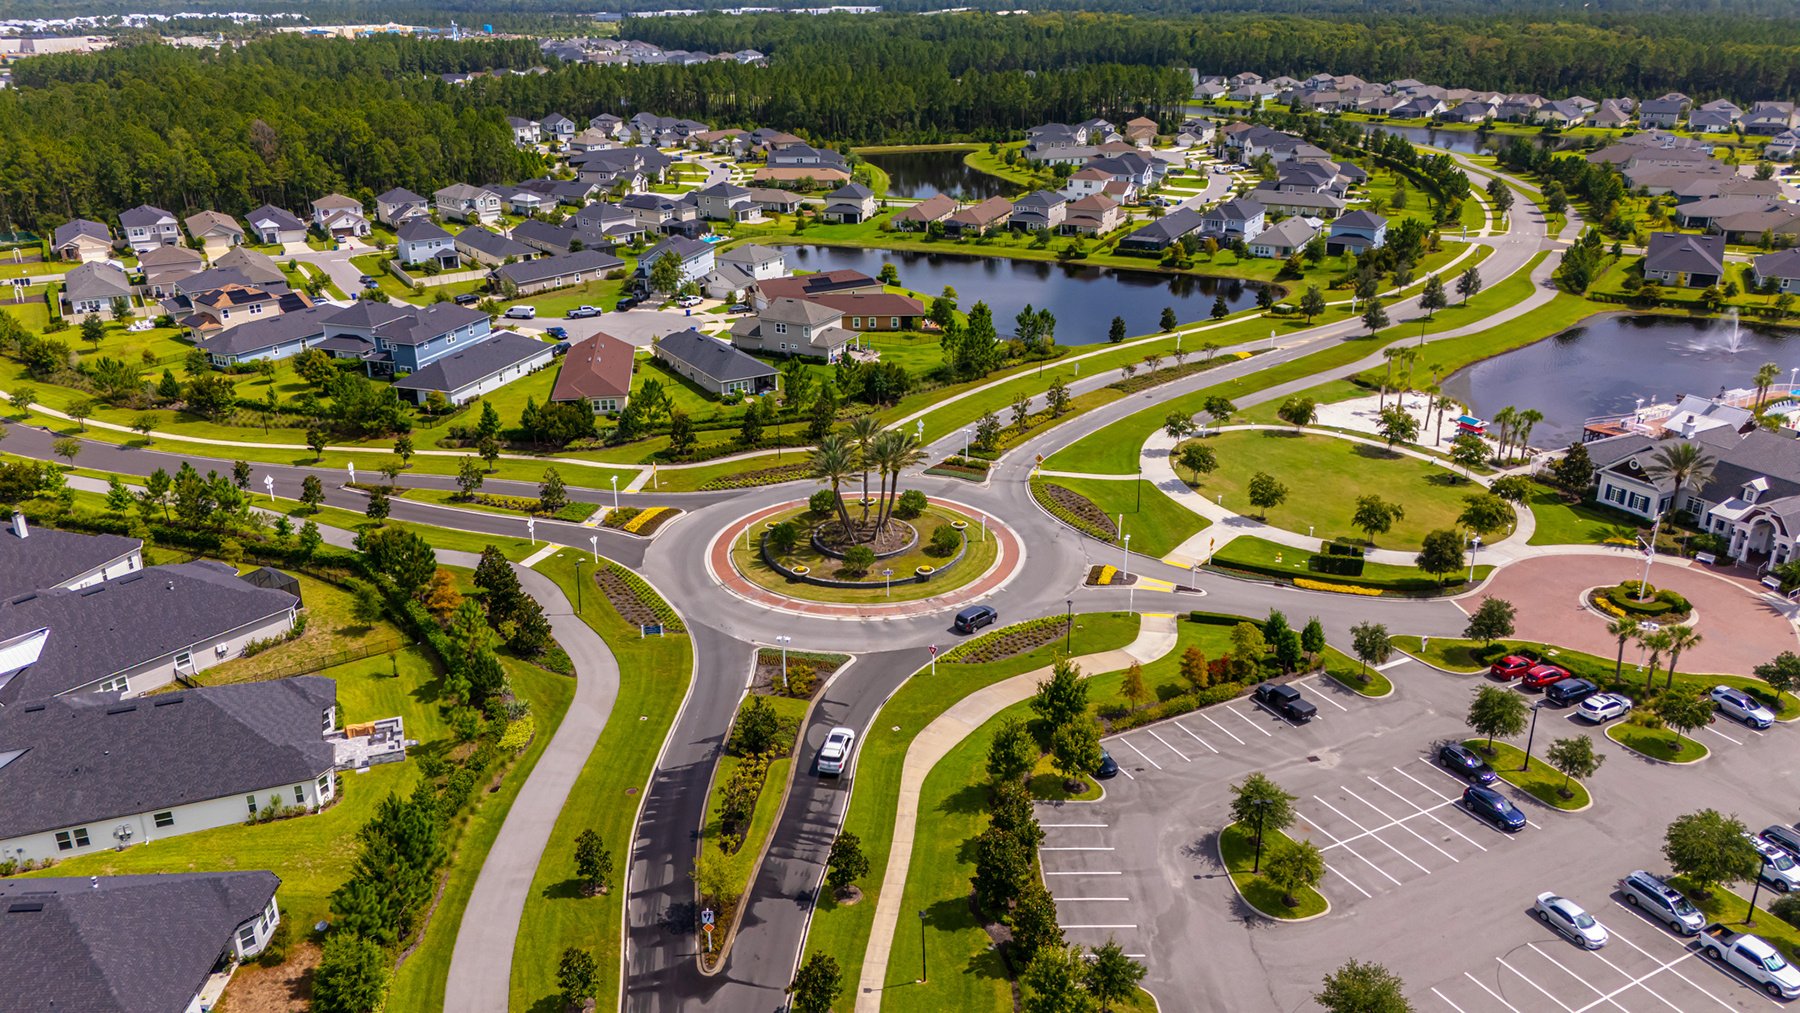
(1284,239)
(1780,269)
(81,240)
(93,286)
(1242,218)
(464,203)
(794,327)
(164,266)
(281,336)
(1664,113)
(713,365)
(256,268)
(1159,234)
(214,230)
(34,558)
(849,204)
(398,206)
(421,240)
(490,249)
(558,127)
(271,226)
(728,202)
(741,267)
(543,274)
(93,771)
(1040,209)
(133,633)
(148,227)
(479,368)
(696,257)
(1685,261)
(1357,232)
(126,944)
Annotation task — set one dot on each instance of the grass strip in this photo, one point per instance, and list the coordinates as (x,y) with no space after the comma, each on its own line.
(1237,846)
(1541,781)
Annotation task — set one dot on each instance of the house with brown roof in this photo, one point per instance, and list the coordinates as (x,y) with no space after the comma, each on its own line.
(1141,131)
(980,219)
(597,371)
(1093,215)
(919,217)
(810,286)
(874,311)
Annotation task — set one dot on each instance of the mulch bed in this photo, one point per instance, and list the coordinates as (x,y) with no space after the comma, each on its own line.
(1081,507)
(624,598)
(897,535)
(1014,641)
(762,476)
(767,679)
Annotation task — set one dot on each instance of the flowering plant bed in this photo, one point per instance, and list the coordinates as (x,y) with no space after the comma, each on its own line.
(1001,644)
(640,520)
(1075,510)
(762,476)
(1659,604)
(1109,576)
(636,601)
(971,469)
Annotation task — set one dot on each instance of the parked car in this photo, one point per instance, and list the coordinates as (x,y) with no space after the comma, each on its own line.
(1570,919)
(366,282)
(1741,705)
(1778,868)
(1603,707)
(1649,893)
(1462,760)
(1287,702)
(1108,766)
(467,299)
(558,333)
(834,755)
(1543,676)
(1570,691)
(582,312)
(1784,837)
(1752,958)
(521,313)
(1493,807)
(628,302)
(974,617)
(688,301)
(1510,667)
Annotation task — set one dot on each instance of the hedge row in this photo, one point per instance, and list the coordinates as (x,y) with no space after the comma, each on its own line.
(1342,566)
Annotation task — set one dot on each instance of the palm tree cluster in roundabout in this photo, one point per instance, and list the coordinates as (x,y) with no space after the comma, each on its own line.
(865,448)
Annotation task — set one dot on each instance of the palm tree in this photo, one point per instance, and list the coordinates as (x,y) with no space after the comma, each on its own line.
(1625,628)
(1390,354)
(1504,418)
(1528,418)
(1684,464)
(894,451)
(1656,642)
(1765,378)
(1444,404)
(834,461)
(862,433)
(1680,639)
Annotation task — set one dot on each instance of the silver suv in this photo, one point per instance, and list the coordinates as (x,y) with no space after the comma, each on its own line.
(1650,894)
(1778,867)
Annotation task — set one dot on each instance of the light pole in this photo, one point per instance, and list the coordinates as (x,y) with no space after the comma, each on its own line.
(1531,734)
(1476,547)
(965,436)
(1125,557)
(919,430)
(578,584)
(924,969)
(1649,554)
(889,574)
(615,485)
(1068,626)
(531,529)
(594,543)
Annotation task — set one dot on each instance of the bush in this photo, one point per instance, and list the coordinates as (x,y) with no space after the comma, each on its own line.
(1343,549)
(1338,565)
(910,505)
(945,540)
(1787,909)
(859,558)
(822,503)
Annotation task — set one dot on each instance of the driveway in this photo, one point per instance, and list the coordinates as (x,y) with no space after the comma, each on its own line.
(639,327)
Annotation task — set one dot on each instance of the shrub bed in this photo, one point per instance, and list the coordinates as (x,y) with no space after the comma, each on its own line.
(973,469)
(1001,644)
(1075,510)
(761,476)
(1156,377)
(1659,604)
(635,600)
(639,520)
(1175,706)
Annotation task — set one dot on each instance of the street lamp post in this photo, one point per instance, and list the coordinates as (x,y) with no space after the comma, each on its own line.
(889,574)
(924,969)
(784,641)
(615,485)
(1476,543)
(577,583)
(1125,557)
(1531,734)
(1068,625)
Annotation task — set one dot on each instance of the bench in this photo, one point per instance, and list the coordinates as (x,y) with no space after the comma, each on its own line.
(1706,558)
(1772,583)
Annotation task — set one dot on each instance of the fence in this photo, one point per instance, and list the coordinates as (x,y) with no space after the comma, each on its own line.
(428,280)
(319,661)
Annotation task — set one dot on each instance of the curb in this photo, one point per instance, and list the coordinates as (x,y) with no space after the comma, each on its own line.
(1219,850)
(1702,758)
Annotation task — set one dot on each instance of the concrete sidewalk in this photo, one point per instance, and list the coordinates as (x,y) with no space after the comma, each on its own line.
(1156,637)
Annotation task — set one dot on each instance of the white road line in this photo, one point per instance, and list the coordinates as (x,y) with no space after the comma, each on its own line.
(1696,985)
(1077,900)
(1099,926)
(1184,757)
(1222,728)
(1335,871)
(1249,722)
(1071,826)
(1540,988)
(1080,872)
(1447,1001)
(1402,825)
(1654,994)
(1196,738)
(1566,970)
(1370,833)
(1358,854)
(1071,848)
(1491,992)
(1639,980)
(1375,830)
(1140,752)
(1323,695)
(1422,784)
(1722,735)
(1424,812)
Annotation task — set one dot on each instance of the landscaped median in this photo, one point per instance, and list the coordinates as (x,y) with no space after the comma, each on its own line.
(1541,781)
(1237,850)
(1095,506)
(1259,558)
(1354,675)
(1661,744)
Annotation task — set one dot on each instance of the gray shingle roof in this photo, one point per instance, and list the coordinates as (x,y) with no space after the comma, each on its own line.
(492,243)
(144,216)
(69,231)
(420,229)
(1168,228)
(479,361)
(1687,254)
(47,557)
(713,358)
(271,216)
(587,262)
(120,944)
(89,758)
(96,280)
(417,326)
(268,332)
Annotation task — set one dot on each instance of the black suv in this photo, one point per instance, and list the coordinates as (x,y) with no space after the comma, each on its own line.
(975,617)
(1286,701)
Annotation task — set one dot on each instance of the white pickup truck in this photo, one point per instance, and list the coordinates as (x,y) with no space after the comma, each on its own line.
(1753,958)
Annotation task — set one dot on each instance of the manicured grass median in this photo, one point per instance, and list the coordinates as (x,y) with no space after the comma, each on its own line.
(1261,556)
(1542,781)
(1237,845)
(1354,675)
(1657,743)
(1157,524)
(978,555)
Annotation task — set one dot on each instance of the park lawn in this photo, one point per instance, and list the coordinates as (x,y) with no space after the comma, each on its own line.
(1560,522)
(449,539)
(1162,676)
(1237,846)
(1542,781)
(978,556)
(995,164)
(1456,655)
(332,634)
(574,513)
(654,675)
(602,293)
(1657,743)
(843,930)
(1324,476)
(1259,554)
(1158,525)
(1353,675)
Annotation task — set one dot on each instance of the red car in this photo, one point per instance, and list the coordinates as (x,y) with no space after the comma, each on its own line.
(1510,667)
(1541,676)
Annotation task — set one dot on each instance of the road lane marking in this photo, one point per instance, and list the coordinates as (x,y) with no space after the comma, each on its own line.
(1076,900)
(1099,926)
(1078,826)
(1722,735)
(1322,695)
(1140,752)
(1422,784)
(1082,872)
(1635,982)
(1658,996)
(1566,970)
(1335,871)
(1196,738)
(1072,848)
(1694,984)
(1184,757)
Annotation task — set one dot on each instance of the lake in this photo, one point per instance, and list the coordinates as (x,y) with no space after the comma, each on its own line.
(1083,298)
(1606,365)
(923,174)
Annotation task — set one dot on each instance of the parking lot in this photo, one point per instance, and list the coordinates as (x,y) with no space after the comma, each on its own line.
(1415,882)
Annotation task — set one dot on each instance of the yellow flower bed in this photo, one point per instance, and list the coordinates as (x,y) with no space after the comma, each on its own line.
(636,524)
(1319,585)
(1106,574)
(1605,605)
(1619,540)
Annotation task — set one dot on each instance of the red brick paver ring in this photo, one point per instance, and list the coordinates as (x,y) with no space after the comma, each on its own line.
(1008,557)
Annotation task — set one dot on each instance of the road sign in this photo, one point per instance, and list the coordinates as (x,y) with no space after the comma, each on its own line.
(934,650)
(706,917)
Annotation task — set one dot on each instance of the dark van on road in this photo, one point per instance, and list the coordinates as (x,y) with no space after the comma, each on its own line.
(975,617)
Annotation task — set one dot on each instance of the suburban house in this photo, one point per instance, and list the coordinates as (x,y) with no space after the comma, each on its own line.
(93,286)
(727,202)
(81,240)
(543,274)
(794,327)
(572,234)
(525,132)
(405,339)
(1141,131)
(482,367)
(849,204)
(1356,232)
(679,216)
(214,230)
(33,559)
(1610,115)
(271,226)
(633,168)
(778,201)
(713,365)
(399,206)
(1154,237)
(598,372)
(490,249)
(1040,209)
(1685,261)
(94,771)
(205,305)
(1093,215)
(1242,218)
(980,219)
(591,140)
(1664,112)
(920,216)
(339,216)
(1781,269)
(255,268)
(146,228)
(166,265)
(1284,239)
(557,127)
(464,203)
(550,192)
(1087,182)
(421,240)
(874,311)
(277,336)
(812,286)
(695,257)
(124,944)
(134,632)
(1769,118)
(610,222)
(741,267)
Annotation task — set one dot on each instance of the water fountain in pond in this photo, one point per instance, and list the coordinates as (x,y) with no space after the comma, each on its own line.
(1732,332)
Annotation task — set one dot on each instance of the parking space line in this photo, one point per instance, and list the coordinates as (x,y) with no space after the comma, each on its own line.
(1249,722)
(1140,752)
(1422,784)
(1370,833)
(1424,812)
(1568,971)
(1722,735)
(1196,738)
(1184,757)
(1072,826)
(1072,848)
(1099,926)
(1222,728)
(1335,871)
(1128,775)
(1077,900)
(1491,992)
(1658,996)
(1696,985)
(1540,988)
(1323,696)
(1345,845)
(1635,982)
(1447,1001)
(1402,825)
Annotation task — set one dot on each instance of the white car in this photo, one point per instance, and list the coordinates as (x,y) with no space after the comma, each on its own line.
(688,300)
(1604,707)
(1741,705)
(1570,919)
(1778,867)
(521,312)
(834,755)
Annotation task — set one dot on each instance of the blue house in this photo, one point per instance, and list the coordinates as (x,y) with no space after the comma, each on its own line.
(1357,232)
(391,340)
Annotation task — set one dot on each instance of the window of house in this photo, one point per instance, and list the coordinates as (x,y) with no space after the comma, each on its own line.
(299,794)
(1639,502)
(184,658)
(856,322)
(781,329)
(894,322)
(324,786)
(164,819)
(247,938)
(250,801)
(116,684)
(68,840)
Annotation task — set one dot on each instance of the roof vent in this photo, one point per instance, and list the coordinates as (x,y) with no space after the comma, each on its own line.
(169,701)
(19,526)
(25,907)
(125,709)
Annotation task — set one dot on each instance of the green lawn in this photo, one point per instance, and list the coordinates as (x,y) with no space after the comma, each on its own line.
(1324,476)
(1157,524)
(603,294)
(742,863)
(1354,675)
(1260,555)
(1729,909)
(1560,522)
(1658,743)
(573,512)
(843,930)
(451,539)
(978,555)
(1238,847)
(654,674)
(1542,781)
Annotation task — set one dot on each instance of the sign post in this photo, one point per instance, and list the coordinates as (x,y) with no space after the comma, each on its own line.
(706,922)
(269,484)
(933,659)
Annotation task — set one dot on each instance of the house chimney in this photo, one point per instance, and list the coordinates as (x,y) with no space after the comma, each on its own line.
(18,525)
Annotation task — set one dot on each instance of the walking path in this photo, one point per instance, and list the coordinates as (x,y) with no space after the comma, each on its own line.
(1156,637)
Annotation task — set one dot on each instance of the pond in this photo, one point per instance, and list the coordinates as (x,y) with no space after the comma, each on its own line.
(1084,299)
(923,174)
(1606,365)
